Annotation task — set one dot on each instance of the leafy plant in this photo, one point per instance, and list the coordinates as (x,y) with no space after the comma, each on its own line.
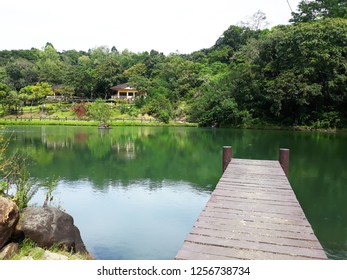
(4,187)
(79,110)
(50,186)
(19,177)
(17,182)
(328,120)
(159,107)
(100,111)
(164,116)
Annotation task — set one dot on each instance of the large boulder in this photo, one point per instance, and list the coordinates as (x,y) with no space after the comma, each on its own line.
(9,215)
(47,226)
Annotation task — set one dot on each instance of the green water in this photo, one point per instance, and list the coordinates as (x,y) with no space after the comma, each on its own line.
(135,192)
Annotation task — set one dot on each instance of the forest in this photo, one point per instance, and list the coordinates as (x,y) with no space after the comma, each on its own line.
(289,75)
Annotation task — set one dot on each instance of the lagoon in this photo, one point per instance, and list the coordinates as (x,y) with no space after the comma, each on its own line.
(135,192)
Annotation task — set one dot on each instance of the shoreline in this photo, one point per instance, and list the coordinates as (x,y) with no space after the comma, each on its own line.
(71,122)
(153,123)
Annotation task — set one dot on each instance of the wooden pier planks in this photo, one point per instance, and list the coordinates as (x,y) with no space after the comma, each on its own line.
(252,214)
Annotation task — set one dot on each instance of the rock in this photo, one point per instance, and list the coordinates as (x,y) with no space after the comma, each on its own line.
(104,126)
(47,226)
(27,258)
(47,255)
(9,215)
(9,250)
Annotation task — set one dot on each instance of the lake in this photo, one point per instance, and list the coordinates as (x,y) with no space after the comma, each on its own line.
(135,192)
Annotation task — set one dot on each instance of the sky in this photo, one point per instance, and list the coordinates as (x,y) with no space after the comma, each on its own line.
(168,26)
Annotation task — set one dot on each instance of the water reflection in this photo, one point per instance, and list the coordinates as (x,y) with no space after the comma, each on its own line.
(121,154)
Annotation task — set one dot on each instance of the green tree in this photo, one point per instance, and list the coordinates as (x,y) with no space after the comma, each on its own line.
(234,38)
(106,74)
(179,76)
(319,9)
(294,74)
(159,107)
(215,107)
(100,111)
(4,92)
(21,73)
(82,77)
(307,65)
(9,99)
(66,91)
(50,66)
(35,94)
(151,61)
(136,77)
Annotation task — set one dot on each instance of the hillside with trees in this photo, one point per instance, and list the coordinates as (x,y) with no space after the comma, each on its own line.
(291,75)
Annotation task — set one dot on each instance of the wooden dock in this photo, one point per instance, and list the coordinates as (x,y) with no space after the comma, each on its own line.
(253,214)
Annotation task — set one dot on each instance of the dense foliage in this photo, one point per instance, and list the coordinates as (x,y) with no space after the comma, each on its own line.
(320,9)
(289,75)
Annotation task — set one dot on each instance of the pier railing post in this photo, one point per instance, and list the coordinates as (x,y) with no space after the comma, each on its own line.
(284,160)
(227,156)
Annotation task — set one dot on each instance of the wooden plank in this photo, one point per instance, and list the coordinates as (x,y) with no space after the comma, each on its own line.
(253,217)
(264,189)
(260,231)
(255,194)
(256,208)
(257,237)
(257,179)
(223,219)
(234,225)
(256,246)
(217,253)
(191,255)
(257,198)
(252,214)
(254,183)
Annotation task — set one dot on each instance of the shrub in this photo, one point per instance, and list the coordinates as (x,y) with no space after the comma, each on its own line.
(100,111)
(80,110)
(159,107)
(164,116)
(328,120)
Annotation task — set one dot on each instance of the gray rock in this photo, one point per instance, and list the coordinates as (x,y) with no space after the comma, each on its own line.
(9,250)
(9,216)
(47,226)
(27,258)
(47,255)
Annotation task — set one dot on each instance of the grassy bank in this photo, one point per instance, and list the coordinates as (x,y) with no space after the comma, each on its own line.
(69,122)
(146,122)
(28,250)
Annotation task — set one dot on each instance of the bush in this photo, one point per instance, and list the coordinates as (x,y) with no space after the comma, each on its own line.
(18,176)
(124,108)
(328,120)
(140,101)
(80,110)
(164,116)
(100,111)
(159,107)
